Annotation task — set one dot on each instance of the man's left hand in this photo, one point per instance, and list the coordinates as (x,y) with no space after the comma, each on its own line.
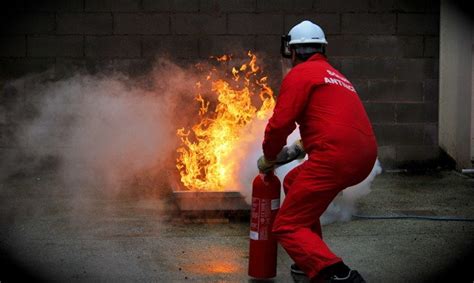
(265,166)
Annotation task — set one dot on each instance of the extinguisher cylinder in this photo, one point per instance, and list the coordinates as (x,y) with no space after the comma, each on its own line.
(263,246)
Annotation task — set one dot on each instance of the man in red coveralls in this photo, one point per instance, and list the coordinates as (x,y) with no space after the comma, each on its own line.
(336,134)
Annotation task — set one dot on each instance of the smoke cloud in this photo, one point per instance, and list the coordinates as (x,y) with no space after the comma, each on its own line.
(97,130)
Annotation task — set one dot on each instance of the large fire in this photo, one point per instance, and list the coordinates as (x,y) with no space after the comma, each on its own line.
(206,155)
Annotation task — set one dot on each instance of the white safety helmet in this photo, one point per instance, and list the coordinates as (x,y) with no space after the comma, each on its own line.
(305,32)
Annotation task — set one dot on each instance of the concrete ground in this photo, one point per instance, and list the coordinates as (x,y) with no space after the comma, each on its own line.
(57,234)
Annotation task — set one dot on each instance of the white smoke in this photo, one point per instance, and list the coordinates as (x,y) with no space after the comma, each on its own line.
(102,130)
(344,205)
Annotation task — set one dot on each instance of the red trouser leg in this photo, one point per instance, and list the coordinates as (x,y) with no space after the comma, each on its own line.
(310,189)
(287,182)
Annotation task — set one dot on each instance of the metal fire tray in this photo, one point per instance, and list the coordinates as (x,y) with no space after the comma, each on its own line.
(210,201)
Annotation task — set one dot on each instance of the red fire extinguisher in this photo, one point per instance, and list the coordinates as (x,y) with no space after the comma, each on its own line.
(263,246)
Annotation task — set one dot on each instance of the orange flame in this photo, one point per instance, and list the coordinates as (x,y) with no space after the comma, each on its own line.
(205,157)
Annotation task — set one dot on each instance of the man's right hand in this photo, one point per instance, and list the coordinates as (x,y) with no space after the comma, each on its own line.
(290,153)
(296,150)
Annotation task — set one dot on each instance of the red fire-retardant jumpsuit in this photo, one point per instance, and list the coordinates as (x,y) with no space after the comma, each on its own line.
(338,137)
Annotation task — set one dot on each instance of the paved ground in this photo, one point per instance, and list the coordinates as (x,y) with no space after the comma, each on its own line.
(60,234)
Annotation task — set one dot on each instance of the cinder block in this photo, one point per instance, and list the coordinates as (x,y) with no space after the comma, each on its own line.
(185,5)
(430,136)
(418,24)
(382,6)
(330,23)
(348,45)
(54,5)
(17,67)
(431,47)
(135,23)
(157,5)
(417,69)
(375,46)
(431,90)
(268,45)
(113,46)
(303,5)
(336,62)
(362,88)
(389,90)
(66,66)
(56,46)
(176,46)
(411,5)
(338,6)
(433,6)
(218,6)
(274,5)
(112,5)
(93,65)
(84,23)
(369,68)
(13,46)
(26,23)
(171,5)
(236,45)
(380,112)
(434,68)
(399,134)
(395,46)
(417,112)
(255,24)
(368,23)
(198,24)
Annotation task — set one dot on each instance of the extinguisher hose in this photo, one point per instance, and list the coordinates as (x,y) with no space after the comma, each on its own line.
(416,217)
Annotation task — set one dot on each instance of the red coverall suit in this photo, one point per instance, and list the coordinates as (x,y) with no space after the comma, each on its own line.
(338,137)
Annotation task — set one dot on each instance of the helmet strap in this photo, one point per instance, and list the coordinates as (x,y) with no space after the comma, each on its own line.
(304,51)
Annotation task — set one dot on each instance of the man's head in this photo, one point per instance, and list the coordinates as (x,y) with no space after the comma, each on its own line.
(303,41)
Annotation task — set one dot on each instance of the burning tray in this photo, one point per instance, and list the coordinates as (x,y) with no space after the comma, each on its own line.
(211,207)
(210,201)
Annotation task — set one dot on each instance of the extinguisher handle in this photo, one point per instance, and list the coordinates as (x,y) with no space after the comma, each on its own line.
(281,163)
(266,176)
(263,175)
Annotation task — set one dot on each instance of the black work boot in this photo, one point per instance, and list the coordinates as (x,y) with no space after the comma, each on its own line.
(339,272)
(296,270)
(352,277)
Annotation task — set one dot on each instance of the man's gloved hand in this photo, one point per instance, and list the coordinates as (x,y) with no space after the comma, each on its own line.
(296,149)
(265,166)
(290,153)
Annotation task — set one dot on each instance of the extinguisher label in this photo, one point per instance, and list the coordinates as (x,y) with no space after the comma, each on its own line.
(260,226)
(253,235)
(275,203)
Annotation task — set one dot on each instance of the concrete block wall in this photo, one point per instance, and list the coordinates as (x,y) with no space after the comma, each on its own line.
(387,48)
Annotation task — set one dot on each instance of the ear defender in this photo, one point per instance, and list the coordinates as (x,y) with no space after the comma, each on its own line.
(285,46)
